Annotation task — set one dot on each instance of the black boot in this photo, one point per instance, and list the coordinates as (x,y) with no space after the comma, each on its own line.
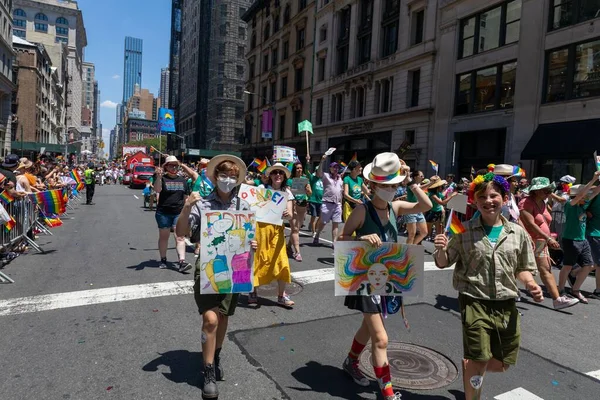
(219,374)
(210,389)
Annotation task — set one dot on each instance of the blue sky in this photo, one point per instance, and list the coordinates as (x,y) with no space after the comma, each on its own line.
(107,22)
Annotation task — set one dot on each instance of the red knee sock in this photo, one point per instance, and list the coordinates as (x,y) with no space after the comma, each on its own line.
(356,349)
(385,380)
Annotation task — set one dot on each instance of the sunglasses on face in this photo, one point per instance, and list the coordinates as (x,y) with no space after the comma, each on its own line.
(277,173)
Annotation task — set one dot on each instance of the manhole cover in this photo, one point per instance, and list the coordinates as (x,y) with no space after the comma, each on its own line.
(270,290)
(414,367)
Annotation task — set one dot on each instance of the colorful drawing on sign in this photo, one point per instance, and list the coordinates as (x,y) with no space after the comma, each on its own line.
(225,255)
(597,160)
(392,269)
(267,204)
(284,154)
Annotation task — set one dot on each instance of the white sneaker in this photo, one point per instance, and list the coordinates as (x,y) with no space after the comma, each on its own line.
(564,302)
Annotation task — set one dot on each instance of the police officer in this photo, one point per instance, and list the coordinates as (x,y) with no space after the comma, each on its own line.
(90,183)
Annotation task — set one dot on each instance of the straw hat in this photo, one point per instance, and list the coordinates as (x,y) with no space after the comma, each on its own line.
(171,160)
(437,182)
(25,164)
(278,166)
(385,169)
(215,161)
(576,189)
(503,170)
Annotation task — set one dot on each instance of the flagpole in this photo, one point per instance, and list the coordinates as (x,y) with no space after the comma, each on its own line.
(307,145)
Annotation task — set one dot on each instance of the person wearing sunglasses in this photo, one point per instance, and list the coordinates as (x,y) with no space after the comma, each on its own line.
(271,262)
(536,220)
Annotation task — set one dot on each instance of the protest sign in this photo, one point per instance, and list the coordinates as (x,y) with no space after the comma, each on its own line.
(299,186)
(597,161)
(330,151)
(458,203)
(392,269)
(284,154)
(267,204)
(226,256)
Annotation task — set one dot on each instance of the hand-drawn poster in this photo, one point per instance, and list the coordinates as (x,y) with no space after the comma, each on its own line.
(390,270)
(267,204)
(226,257)
(284,154)
(299,186)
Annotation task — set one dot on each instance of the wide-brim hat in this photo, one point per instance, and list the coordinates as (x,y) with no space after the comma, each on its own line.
(171,160)
(505,170)
(385,169)
(576,189)
(11,160)
(215,161)
(25,164)
(437,183)
(540,183)
(568,179)
(280,167)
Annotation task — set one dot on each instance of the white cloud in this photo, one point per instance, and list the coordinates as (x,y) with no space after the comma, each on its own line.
(116,76)
(108,104)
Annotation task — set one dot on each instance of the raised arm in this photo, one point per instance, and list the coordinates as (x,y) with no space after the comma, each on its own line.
(190,172)
(321,166)
(585,190)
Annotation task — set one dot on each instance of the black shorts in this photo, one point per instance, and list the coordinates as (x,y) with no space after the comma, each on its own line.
(434,216)
(314,209)
(577,252)
(366,304)
(594,242)
(301,203)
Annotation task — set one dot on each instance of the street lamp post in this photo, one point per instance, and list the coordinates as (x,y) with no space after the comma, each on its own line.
(272,107)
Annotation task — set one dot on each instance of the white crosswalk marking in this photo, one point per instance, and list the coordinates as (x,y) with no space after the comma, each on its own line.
(594,374)
(518,394)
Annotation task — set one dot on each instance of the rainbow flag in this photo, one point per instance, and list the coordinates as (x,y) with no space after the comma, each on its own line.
(53,221)
(254,163)
(50,201)
(354,157)
(10,224)
(262,166)
(6,197)
(75,175)
(435,166)
(454,225)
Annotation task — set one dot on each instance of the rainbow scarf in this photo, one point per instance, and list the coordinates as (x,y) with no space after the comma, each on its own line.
(50,201)
(6,197)
(10,224)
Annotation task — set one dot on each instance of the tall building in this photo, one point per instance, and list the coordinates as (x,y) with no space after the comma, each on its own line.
(6,77)
(211,74)
(58,25)
(132,66)
(87,94)
(164,87)
(143,100)
(112,150)
(174,49)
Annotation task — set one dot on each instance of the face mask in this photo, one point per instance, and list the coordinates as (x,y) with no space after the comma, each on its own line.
(226,185)
(386,195)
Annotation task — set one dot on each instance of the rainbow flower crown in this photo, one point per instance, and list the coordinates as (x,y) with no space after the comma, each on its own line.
(489,177)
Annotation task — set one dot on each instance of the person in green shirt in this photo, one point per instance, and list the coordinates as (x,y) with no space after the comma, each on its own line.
(90,183)
(576,248)
(315,199)
(435,217)
(592,232)
(354,189)
(301,196)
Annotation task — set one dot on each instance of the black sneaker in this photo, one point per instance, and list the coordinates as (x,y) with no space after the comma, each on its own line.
(163,264)
(210,389)
(219,373)
(184,266)
(595,295)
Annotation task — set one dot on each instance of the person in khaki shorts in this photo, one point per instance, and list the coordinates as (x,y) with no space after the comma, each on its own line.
(490,320)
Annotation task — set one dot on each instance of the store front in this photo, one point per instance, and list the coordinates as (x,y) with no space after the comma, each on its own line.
(366,146)
(477,149)
(564,148)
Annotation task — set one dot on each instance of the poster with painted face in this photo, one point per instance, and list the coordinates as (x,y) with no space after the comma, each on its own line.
(226,258)
(390,270)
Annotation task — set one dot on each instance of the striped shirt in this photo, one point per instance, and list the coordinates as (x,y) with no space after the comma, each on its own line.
(489,271)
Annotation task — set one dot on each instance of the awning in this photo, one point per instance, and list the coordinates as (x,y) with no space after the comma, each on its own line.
(562,140)
(35,146)
(209,153)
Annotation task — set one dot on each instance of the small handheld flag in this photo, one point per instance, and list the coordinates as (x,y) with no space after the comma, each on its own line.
(454,225)
(354,157)
(10,224)
(262,166)
(435,166)
(6,197)
(472,171)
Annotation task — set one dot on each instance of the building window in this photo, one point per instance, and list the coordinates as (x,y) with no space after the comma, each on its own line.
(286,14)
(20,23)
(251,72)
(364,31)
(274,57)
(62,31)
(414,82)
(337,107)
(239,70)
(321,69)
(319,112)
(573,72)
(487,89)
(416,27)
(298,79)
(409,136)
(282,126)
(323,34)
(273,92)
(357,100)
(253,41)
(59,39)
(242,33)
(569,12)
(276,23)
(241,11)
(383,95)
(284,84)
(286,50)
(221,70)
(221,49)
(62,21)
(300,38)
(264,95)
(223,10)
(297,119)
(265,62)
(41,17)
(343,41)
(41,27)
(301,5)
(19,13)
(267,31)
(490,29)
(223,29)
(389,27)
(241,51)
(19,33)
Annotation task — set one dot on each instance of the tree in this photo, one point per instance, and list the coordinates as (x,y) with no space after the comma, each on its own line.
(154,142)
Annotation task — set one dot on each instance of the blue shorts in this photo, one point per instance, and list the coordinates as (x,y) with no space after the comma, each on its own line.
(414,218)
(314,209)
(166,221)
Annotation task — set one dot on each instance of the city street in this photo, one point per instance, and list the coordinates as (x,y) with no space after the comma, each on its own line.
(95,318)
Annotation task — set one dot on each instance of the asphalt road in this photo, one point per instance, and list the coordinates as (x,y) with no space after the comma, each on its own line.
(94,318)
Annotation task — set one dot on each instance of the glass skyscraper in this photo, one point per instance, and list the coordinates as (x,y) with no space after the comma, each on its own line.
(132,70)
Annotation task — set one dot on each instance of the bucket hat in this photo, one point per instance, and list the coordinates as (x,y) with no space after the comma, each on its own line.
(540,183)
(215,161)
(385,169)
(171,160)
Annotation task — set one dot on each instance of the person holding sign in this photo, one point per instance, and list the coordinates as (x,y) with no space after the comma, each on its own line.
(228,172)
(270,261)
(490,256)
(333,190)
(300,204)
(354,188)
(375,222)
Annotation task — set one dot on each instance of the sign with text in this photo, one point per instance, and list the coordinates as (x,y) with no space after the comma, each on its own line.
(268,205)
(284,154)
(166,120)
